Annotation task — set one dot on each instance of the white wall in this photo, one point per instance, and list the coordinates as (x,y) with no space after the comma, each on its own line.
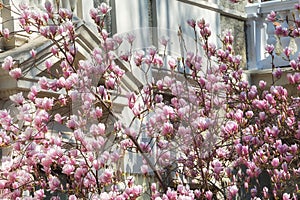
(133,16)
(172,14)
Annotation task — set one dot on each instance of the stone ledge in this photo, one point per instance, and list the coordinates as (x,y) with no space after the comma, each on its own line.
(217,8)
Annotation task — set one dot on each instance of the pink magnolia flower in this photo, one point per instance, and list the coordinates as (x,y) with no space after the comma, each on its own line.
(294,64)
(144,169)
(290,78)
(43,82)
(32,94)
(249,114)
(201,23)
(148,59)
(6,33)
(104,196)
(270,99)
(269,48)
(104,8)
(52,31)
(104,34)
(253,192)
(262,116)
(158,60)
(201,123)
(39,194)
(275,162)
(284,167)
(65,13)
(72,123)
(165,158)
(46,162)
(125,56)
(296,32)
(89,181)
(190,59)
(297,6)
(110,83)
(2,184)
(171,194)
(48,64)
(93,13)
(181,189)
(96,164)
(8,63)
(68,169)
(54,183)
(164,41)
(49,7)
(297,77)
(238,115)
(167,129)
(109,44)
(241,150)
(281,148)
(23,6)
(206,32)
(115,156)
(134,191)
(58,118)
(228,39)
(281,31)
(106,176)
(118,39)
(72,197)
(152,50)
(168,81)
(233,190)
(146,148)
(79,173)
(271,17)
(287,51)
(131,132)
(266,192)
(172,63)
(293,148)
(98,112)
(262,84)
(208,195)
(45,103)
(17,98)
(33,53)
(260,104)
(131,100)
(217,166)
(97,129)
(16,73)
(286,196)
(130,38)
(192,23)
(230,127)
(54,50)
(138,57)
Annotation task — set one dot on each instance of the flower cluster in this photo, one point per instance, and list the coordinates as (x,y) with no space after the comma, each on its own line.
(200,133)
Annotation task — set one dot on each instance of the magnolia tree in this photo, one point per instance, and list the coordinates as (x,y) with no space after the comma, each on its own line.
(211,135)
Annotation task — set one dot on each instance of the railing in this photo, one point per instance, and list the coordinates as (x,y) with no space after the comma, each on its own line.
(260,32)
